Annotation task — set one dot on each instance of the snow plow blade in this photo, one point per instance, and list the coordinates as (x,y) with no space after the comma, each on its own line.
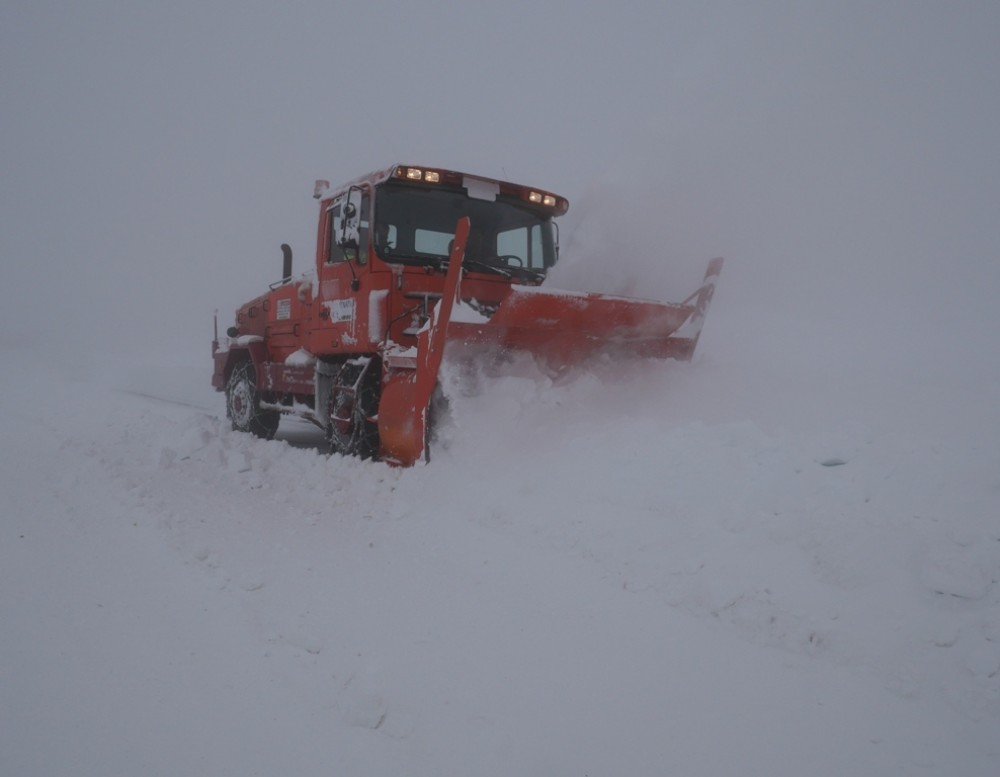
(564,328)
(558,328)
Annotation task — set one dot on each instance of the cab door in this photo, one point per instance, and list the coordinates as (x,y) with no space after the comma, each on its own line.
(342,271)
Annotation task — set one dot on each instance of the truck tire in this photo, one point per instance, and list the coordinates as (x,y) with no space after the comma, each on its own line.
(351,408)
(243,404)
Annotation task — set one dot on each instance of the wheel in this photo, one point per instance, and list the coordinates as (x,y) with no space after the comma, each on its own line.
(243,404)
(352,408)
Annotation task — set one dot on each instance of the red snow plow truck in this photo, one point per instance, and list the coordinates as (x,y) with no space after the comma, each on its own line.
(413,263)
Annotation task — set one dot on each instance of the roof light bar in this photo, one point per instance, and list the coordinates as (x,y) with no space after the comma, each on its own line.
(540,198)
(417,174)
(450,178)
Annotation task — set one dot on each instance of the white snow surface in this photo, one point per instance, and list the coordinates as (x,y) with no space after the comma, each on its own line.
(300,358)
(741,565)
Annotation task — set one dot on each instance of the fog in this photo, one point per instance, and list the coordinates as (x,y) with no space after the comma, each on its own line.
(842,156)
(604,572)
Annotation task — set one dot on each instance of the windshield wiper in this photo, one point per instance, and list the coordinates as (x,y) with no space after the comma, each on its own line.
(506,273)
(440,264)
(391,255)
(535,275)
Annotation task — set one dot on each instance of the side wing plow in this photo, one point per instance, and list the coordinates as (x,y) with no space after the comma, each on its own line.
(566,328)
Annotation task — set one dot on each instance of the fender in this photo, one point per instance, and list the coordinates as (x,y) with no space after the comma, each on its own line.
(248,348)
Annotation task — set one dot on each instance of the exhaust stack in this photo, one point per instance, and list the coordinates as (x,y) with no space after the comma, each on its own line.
(286,266)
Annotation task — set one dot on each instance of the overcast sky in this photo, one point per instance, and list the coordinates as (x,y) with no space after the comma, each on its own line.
(842,156)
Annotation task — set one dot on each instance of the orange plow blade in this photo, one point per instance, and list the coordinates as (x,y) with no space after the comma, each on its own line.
(565,328)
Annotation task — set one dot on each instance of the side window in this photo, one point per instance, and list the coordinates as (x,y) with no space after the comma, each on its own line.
(335,229)
(514,242)
(537,256)
(385,238)
(528,246)
(334,252)
(364,229)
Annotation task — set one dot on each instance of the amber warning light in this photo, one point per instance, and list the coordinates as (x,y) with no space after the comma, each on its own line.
(321,188)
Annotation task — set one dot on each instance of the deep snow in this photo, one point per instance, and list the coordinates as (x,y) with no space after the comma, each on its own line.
(742,565)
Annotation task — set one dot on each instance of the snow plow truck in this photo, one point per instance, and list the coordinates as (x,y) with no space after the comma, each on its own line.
(413,263)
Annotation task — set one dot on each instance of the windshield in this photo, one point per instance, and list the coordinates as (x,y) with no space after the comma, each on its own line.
(416,225)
